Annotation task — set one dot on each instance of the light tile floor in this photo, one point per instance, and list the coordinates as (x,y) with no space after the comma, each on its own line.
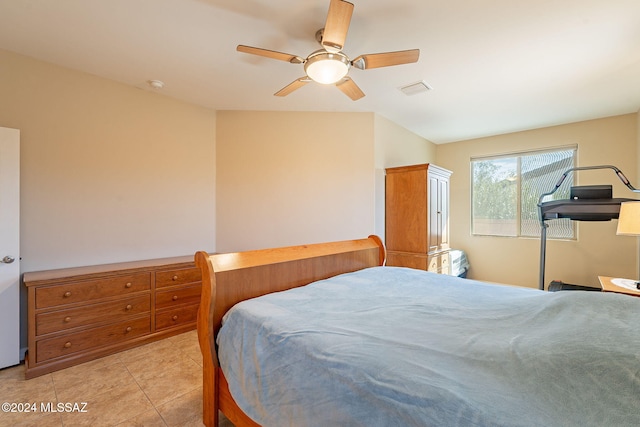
(158,384)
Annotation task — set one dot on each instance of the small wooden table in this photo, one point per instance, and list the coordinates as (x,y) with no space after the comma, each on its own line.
(608,284)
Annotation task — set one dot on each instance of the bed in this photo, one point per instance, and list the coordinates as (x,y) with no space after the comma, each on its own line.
(349,341)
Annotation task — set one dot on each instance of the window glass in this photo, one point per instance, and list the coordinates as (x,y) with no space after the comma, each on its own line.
(506,189)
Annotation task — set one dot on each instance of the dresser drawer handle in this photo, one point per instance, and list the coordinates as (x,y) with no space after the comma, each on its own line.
(128,285)
(175,298)
(128,329)
(67,294)
(174,278)
(67,319)
(128,307)
(175,317)
(67,344)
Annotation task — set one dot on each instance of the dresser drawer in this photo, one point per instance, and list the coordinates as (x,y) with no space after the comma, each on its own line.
(445,263)
(92,338)
(111,311)
(176,316)
(178,296)
(439,263)
(434,265)
(67,293)
(177,277)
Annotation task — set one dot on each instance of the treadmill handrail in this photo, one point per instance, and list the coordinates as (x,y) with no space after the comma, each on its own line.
(618,172)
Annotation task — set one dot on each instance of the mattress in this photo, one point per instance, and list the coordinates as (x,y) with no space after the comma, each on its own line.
(390,346)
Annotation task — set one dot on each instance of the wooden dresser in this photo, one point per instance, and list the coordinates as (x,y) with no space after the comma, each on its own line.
(417,217)
(80,314)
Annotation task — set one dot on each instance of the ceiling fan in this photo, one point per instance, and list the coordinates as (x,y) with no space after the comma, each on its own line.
(329,65)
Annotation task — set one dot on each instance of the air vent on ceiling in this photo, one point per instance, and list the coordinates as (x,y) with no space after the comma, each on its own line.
(415,88)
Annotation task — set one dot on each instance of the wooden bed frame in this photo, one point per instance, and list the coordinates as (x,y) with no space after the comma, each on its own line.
(230,278)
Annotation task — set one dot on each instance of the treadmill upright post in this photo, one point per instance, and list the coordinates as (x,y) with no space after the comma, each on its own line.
(543,251)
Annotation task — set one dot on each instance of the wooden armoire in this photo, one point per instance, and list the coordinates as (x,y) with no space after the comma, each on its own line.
(417,217)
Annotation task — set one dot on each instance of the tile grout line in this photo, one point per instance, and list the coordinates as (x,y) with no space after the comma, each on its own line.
(143,392)
(55,391)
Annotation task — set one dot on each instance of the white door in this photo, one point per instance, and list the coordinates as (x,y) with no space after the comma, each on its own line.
(9,247)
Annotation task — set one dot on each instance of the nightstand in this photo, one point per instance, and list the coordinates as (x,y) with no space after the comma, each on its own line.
(622,286)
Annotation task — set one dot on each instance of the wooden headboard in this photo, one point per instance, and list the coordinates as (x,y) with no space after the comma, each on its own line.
(233,277)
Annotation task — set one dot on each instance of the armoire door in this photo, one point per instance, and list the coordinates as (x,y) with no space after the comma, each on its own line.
(406,209)
(438,228)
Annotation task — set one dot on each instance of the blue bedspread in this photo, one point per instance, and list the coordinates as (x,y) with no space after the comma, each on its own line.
(391,346)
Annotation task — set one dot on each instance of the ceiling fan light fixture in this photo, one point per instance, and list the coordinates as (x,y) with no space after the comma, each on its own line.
(327,67)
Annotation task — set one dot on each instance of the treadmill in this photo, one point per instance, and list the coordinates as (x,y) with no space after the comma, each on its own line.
(585,203)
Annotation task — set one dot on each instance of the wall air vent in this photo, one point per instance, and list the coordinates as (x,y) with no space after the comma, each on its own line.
(415,88)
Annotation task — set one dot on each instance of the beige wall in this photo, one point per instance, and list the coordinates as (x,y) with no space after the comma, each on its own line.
(597,251)
(286,178)
(108,172)
(395,146)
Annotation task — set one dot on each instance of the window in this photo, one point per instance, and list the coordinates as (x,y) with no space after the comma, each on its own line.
(505,192)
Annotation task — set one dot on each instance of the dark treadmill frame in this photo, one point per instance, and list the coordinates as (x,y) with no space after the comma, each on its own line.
(577,210)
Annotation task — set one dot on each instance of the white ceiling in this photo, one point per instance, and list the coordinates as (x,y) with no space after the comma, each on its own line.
(495,66)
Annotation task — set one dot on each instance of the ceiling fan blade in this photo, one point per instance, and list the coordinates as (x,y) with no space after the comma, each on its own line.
(350,88)
(270,54)
(296,84)
(337,25)
(377,60)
